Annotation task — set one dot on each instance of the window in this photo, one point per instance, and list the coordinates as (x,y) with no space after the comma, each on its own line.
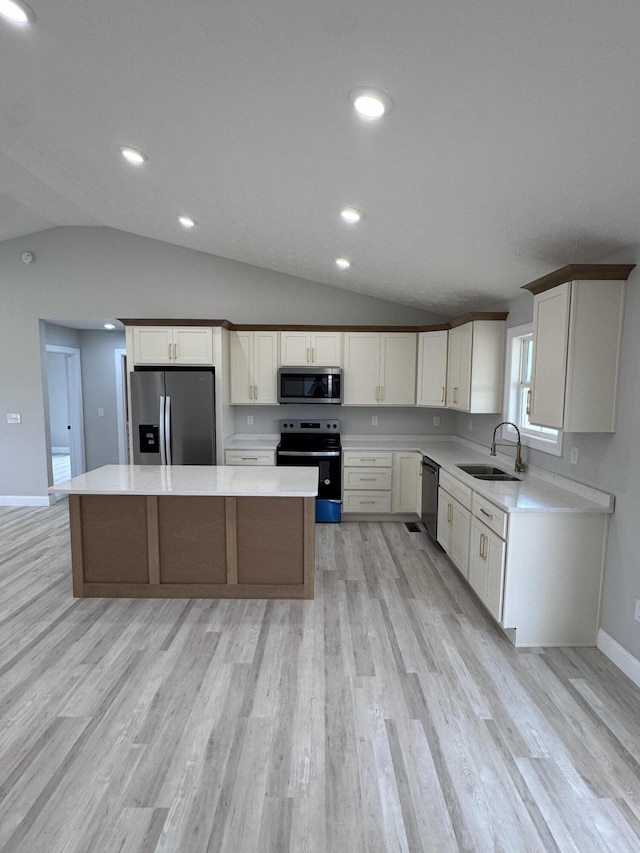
(518,395)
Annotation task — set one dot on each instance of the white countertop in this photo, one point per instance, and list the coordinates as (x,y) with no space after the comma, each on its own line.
(536,491)
(220,480)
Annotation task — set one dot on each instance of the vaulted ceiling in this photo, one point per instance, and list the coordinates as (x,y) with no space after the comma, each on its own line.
(511,148)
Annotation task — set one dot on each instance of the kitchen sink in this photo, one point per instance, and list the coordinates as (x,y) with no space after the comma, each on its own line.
(487,472)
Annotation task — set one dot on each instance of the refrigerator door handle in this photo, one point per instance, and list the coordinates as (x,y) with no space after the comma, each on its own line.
(167,428)
(163,455)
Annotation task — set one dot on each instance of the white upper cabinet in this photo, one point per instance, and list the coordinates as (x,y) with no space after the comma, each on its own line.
(475,366)
(253,368)
(577,329)
(314,348)
(432,368)
(380,369)
(175,345)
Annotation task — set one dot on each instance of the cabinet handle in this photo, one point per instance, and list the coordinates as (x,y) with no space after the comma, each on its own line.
(449,513)
(249,458)
(362,503)
(381,393)
(308,354)
(367,479)
(367,458)
(313,355)
(255,392)
(169,352)
(455,394)
(175,352)
(480,545)
(442,395)
(484,512)
(528,410)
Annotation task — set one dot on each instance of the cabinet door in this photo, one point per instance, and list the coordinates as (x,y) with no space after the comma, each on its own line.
(398,368)
(445,519)
(193,345)
(265,368)
(295,348)
(241,364)
(459,372)
(550,336)
(361,368)
(486,569)
(432,368)
(326,349)
(406,480)
(460,530)
(153,345)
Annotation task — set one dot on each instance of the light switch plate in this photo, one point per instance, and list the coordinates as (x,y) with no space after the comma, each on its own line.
(14,419)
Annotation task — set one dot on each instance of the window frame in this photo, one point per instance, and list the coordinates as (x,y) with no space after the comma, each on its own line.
(512,382)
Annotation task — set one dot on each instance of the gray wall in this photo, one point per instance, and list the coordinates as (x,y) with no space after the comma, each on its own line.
(97,351)
(58,400)
(608,462)
(97,274)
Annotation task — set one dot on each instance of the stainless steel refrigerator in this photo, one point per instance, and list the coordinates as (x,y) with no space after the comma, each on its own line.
(173,417)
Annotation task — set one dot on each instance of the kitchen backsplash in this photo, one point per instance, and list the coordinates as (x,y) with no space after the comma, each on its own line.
(354,420)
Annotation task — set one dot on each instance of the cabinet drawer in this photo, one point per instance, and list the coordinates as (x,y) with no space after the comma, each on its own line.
(367,478)
(491,515)
(456,489)
(366,501)
(374,459)
(249,457)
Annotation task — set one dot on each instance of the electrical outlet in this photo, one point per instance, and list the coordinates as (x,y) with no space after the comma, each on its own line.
(574,455)
(100,412)
(13,419)
(374,420)
(636,614)
(250,420)
(436,420)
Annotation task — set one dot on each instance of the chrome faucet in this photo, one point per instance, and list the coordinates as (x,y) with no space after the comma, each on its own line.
(519,463)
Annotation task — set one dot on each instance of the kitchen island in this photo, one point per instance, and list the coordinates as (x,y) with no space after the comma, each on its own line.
(192,531)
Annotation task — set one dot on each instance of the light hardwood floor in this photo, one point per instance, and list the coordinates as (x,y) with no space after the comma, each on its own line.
(387,715)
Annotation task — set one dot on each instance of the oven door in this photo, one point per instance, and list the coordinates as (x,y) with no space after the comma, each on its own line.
(329,465)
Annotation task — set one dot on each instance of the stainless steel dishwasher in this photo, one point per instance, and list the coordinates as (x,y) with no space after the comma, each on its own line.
(430,473)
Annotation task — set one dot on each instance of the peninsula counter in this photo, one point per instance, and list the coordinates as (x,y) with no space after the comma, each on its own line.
(192,531)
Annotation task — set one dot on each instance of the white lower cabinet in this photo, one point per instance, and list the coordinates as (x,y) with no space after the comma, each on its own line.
(381,481)
(538,573)
(454,520)
(250,457)
(406,486)
(366,481)
(486,567)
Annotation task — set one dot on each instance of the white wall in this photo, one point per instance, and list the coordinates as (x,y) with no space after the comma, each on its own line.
(97,273)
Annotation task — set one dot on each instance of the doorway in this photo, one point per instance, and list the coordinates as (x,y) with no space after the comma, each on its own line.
(66,423)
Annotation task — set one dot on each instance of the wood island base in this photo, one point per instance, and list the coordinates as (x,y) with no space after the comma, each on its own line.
(192,546)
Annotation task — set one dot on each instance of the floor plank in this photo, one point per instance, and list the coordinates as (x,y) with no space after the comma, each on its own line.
(388,714)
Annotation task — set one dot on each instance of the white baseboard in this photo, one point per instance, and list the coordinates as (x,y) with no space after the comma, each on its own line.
(27,500)
(616,653)
(64,451)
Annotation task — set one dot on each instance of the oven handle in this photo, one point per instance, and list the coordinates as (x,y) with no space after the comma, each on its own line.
(314,453)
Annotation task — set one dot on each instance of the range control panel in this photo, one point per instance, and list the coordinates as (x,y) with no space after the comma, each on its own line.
(322,427)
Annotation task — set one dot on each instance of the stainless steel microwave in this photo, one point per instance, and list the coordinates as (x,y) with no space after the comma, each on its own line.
(310,385)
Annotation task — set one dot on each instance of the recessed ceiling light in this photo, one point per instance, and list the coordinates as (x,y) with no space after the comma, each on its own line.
(133,156)
(351,214)
(186,221)
(16,12)
(109,326)
(371,103)
(343,263)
